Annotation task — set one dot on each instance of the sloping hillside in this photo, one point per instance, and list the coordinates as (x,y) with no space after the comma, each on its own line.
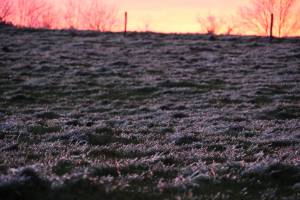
(87,115)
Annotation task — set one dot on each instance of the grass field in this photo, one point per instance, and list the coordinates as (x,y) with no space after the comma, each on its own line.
(87,115)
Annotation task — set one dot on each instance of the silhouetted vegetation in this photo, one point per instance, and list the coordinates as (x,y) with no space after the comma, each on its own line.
(92,14)
(257,17)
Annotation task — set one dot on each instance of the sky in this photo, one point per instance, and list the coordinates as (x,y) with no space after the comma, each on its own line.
(168,16)
(174,15)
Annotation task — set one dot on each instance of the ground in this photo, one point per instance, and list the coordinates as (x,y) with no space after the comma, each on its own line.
(88,115)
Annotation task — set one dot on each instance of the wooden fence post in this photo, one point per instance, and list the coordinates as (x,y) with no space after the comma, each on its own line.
(271,26)
(125,24)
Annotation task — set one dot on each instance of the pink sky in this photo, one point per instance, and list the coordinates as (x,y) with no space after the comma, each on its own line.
(179,16)
(174,15)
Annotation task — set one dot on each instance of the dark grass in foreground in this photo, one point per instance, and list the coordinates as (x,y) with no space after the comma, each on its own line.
(86,115)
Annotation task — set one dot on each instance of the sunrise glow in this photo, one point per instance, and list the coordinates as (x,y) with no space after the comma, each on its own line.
(169,16)
(174,15)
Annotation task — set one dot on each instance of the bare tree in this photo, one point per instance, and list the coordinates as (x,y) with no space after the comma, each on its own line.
(5,10)
(97,15)
(257,16)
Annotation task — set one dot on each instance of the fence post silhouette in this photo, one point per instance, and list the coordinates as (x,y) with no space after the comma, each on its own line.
(125,24)
(271,26)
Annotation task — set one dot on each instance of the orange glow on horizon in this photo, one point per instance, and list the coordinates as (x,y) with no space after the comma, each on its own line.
(174,15)
(168,16)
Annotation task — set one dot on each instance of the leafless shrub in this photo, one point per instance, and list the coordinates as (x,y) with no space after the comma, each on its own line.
(214,25)
(209,24)
(99,16)
(92,15)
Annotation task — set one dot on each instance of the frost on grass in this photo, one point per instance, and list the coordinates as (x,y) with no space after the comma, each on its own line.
(149,116)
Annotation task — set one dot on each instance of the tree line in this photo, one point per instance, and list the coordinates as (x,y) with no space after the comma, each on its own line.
(74,14)
(254,17)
